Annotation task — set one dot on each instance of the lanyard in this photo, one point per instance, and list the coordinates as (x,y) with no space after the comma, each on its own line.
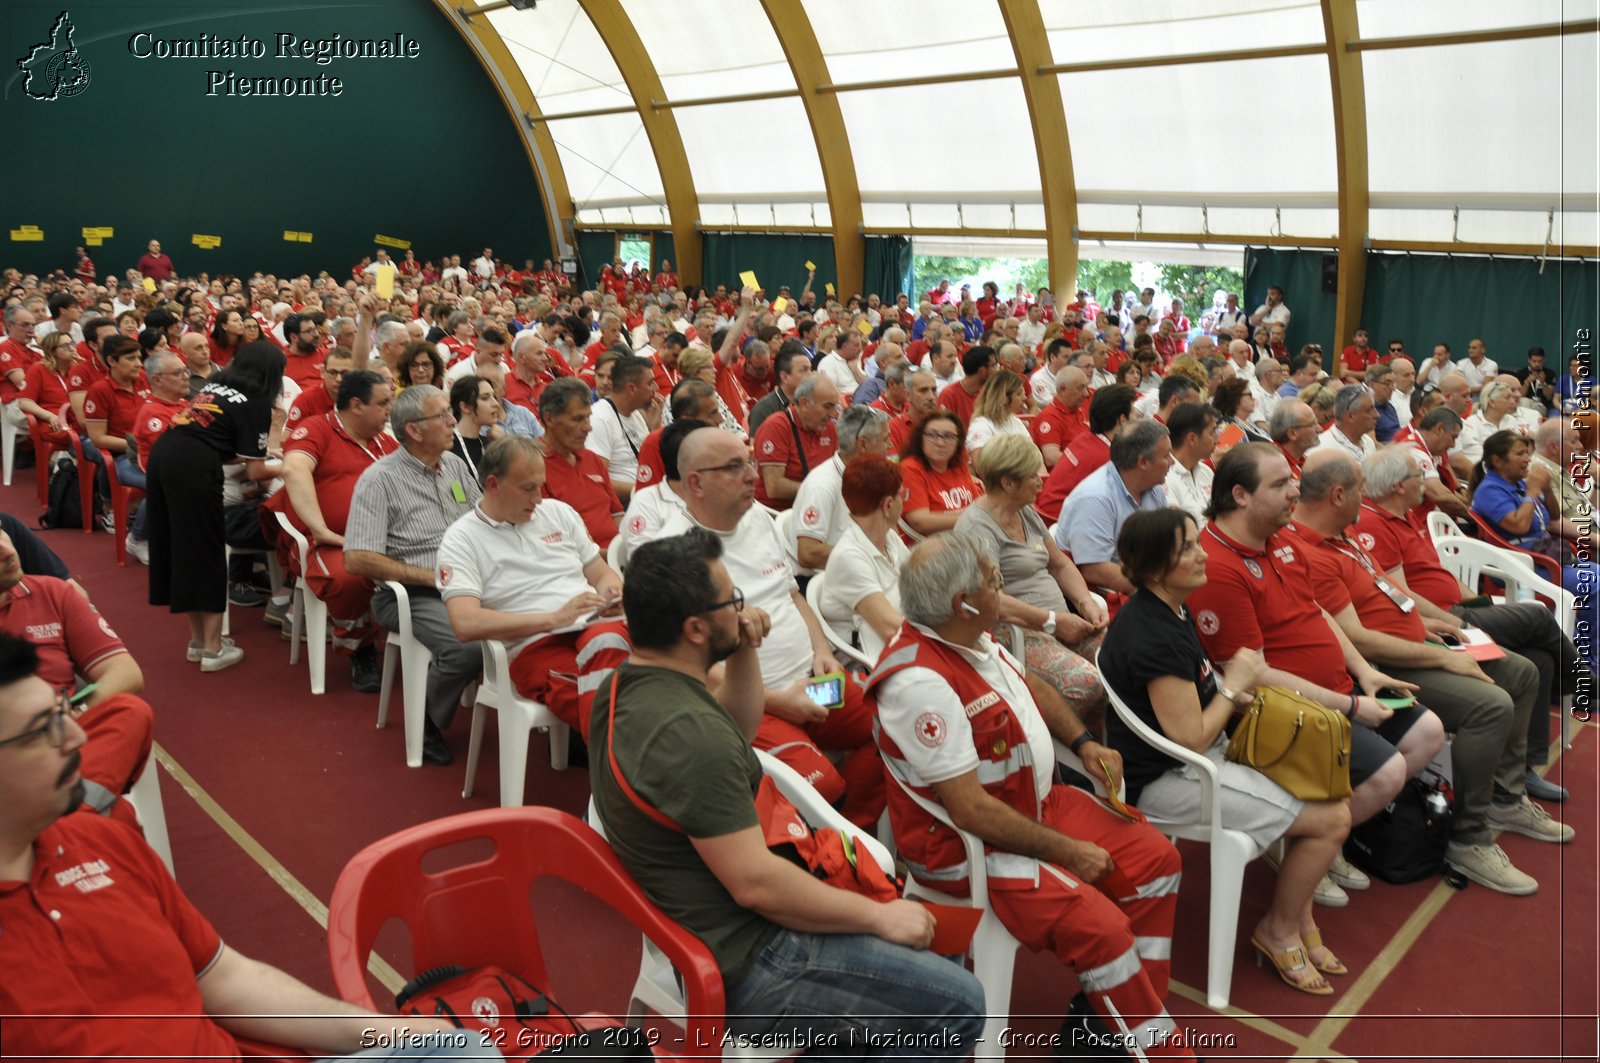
(465,456)
(623,424)
(1349,549)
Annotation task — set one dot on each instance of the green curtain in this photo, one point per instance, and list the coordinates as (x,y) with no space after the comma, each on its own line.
(775,260)
(1299,274)
(665,249)
(1508,303)
(888,266)
(595,249)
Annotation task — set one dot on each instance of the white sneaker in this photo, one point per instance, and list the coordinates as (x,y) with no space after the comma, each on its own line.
(1525,817)
(228,656)
(1488,865)
(1329,895)
(1348,875)
(138,549)
(198,649)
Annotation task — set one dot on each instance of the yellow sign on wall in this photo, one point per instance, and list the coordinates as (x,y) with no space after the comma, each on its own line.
(98,232)
(391,241)
(204,242)
(296,237)
(27,234)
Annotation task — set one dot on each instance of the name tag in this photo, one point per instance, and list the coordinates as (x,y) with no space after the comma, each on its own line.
(458,492)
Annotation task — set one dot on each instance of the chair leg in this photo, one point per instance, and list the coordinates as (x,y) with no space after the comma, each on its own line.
(146,797)
(475,748)
(1566,721)
(8,449)
(1229,854)
(297,621)
(391,655)
(560,743)
(315,616)
(414,661)
(119,516)
(86,478)
(994,959)
(227,606)
(516,731)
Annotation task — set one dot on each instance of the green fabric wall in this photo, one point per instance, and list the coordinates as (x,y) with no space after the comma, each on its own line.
(888,266)
(419,149)
(776,260)
(1299,274)
(597,247)
(1506,302)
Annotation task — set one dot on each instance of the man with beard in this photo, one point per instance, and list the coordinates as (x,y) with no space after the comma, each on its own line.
(673,777)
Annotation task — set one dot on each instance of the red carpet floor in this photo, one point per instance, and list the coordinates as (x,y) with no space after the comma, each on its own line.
(308,781)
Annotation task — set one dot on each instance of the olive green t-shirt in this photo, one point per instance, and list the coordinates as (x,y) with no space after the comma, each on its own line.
(684,756)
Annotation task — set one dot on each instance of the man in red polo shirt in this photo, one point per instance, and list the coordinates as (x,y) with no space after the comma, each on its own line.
(1354,359)
(323,457)
(317,398)
(1406,554)
(1486,704)
(796,440)
(111,409)
(1109,410)
(572,474)
(922,398)
(303,356)
(72,639)
(155,264)
(460,339)
(1065,418)
(977,363)
(1430,440)
(1294,431)
(1258,595)
(692,400)
(90,366)
(104,934)
(610,336)
(17,353)
(530,369)
(664,362)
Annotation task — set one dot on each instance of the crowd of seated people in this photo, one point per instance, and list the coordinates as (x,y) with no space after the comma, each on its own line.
(994,493)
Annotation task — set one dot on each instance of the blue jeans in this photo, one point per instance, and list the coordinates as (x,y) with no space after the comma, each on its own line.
(130,475)
(855,996)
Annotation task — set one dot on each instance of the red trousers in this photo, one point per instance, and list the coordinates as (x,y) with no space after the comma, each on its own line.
(1117,935)
(348,598)
(120,730)
(859,781)
(563,671)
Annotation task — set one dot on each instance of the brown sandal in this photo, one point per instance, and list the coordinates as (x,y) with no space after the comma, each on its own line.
(1292,960)
(1332,965)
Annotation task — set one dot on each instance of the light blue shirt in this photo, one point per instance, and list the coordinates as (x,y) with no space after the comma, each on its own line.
(1094,512)
(520,421)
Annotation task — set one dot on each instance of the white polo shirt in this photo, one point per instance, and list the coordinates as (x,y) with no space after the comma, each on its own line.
(617,438)
(1043,385)
(754,555)
(819,510)
(648,509)
(1477,375)
(535,567)
(857,570)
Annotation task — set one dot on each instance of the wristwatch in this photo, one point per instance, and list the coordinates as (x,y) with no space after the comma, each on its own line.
(1234,696)
(1050,623)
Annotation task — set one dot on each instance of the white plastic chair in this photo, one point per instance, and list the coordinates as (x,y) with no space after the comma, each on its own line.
(307,614)
(146,798)
(1231,851)
(519,717)
(1471,559)
(8,445)
(413,658)
(272,566)
(616,555)
(993,949)
(840,642)
(657,987)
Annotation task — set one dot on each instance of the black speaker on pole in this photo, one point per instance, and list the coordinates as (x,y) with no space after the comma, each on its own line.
(1330,273)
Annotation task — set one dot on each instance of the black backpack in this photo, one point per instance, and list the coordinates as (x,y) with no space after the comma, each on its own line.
(1406,841)
(64,506)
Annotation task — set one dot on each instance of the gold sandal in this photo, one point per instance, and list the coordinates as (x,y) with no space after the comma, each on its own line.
(1332,965)
(1292,960)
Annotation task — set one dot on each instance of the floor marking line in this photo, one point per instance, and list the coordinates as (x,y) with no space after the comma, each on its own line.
(307,900)
(1242,1017)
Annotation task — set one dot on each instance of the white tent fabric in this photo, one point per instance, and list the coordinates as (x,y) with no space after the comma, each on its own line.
(1489,140)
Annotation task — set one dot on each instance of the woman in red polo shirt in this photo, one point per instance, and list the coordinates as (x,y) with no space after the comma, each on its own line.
(226,337)
(938,482)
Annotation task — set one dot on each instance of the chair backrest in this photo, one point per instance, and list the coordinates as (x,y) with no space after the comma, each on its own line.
(1440,526)
(478,912)
(301,546)
(1491,535)
(1470,560)
(977,868)
(815,809)
(1210,811)
(840,642)
(785,521)
(616,554)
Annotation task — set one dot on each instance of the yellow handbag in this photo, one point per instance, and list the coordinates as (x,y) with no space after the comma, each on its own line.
(1302,746)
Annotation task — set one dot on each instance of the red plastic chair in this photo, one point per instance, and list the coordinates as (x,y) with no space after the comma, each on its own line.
(43,449)
(123,501)
(1544,564)
(480,913)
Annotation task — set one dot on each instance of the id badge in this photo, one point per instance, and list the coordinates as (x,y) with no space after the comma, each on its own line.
(1396,595)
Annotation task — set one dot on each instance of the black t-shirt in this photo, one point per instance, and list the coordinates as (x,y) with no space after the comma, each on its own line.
(228,421)
(1148,640)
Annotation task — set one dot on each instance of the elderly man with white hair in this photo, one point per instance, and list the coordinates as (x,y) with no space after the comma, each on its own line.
(1497,411)
(820,515)
(1355,415)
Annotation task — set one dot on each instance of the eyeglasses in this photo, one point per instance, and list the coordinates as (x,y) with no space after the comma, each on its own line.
(54,727)
(445,414)
(733,467)
(337,374)
(940,437)
(737,601)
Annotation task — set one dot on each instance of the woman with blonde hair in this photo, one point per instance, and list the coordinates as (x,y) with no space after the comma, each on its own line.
(701,363)
(1045,598)
(997,411)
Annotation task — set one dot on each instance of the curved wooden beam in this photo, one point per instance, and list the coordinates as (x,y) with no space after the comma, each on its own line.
(639,73)
(1057,181)
(1350,152)
(799,41)
(550,177)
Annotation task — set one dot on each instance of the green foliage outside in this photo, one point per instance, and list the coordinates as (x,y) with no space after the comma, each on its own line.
(1195,285)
